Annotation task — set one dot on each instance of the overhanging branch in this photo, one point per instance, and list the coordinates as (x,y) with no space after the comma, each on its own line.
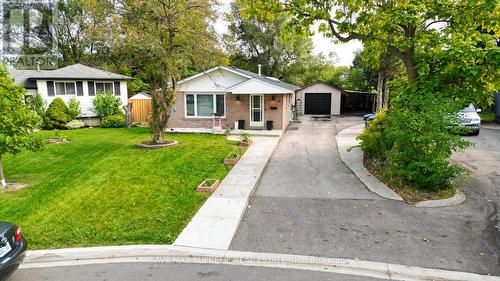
(351,36)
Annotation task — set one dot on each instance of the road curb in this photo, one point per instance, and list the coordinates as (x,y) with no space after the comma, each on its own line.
(346,140)
(456,199)
(179,254)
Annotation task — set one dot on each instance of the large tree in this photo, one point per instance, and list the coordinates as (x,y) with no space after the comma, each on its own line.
(282,52)
(167,40)
(17,121)
(416,32)
(450,56)
(84,31)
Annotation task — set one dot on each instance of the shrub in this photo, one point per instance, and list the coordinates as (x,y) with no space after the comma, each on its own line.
(487,116)
(245,137)
(74,124)
(57,115)
(113,121)
(374,141)
(74,108)
(414,139)
(39,106)
(105,104)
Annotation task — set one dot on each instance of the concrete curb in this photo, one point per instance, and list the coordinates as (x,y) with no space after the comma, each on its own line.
(354,160)
(456,199)
(216,222)
(177,254)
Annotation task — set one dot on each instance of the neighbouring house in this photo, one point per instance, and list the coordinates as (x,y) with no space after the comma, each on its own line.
(74,81)
(319,98)
(222,96)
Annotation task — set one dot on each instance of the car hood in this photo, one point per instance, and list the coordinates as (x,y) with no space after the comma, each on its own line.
(470,115)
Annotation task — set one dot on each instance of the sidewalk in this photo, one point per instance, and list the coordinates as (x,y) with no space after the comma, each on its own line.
(214,225)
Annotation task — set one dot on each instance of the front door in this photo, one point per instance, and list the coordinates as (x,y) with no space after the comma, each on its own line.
(257,111)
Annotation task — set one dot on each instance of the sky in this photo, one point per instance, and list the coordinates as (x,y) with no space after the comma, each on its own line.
(344,51)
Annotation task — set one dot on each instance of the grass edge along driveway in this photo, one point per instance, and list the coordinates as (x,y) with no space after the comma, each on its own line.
(99,190)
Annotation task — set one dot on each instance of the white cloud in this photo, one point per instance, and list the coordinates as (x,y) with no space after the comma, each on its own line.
(344,51)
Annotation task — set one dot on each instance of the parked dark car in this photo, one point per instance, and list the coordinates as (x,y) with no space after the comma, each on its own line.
(12,249)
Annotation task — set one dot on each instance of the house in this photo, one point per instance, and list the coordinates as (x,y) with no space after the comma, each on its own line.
(74,81)
(321,98)
(222,96)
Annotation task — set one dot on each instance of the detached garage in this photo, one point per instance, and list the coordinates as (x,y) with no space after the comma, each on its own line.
(319,98)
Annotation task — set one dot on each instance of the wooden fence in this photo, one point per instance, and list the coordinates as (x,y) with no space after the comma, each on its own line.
(141,110)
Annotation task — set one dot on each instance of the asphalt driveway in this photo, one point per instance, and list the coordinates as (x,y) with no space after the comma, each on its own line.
(309,203)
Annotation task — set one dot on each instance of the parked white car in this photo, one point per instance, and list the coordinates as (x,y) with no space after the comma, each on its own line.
(469,117)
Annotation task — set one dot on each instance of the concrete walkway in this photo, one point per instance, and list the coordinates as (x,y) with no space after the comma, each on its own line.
(214,225)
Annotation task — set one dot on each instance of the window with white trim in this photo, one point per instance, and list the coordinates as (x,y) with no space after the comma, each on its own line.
(205,105)
(104,87)
(65,88)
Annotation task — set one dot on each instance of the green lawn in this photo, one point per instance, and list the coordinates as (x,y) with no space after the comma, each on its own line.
(98,189)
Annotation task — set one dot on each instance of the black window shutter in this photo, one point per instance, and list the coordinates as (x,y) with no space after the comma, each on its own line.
(117,88)
(50,89)
(79,88)
(91,88)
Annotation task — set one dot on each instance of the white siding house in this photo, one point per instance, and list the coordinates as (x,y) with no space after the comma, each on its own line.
(75,81)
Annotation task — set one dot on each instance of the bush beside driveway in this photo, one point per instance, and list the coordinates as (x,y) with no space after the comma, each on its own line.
(98,189)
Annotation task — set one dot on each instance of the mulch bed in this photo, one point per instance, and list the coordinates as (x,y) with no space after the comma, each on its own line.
(151,145)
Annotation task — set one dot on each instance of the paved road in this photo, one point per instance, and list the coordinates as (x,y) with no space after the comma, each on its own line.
(309,203)
(174,272)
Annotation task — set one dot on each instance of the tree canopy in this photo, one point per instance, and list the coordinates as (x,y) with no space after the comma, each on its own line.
(17,121)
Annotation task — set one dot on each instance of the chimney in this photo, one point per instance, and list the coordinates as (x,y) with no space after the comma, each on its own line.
(260,69)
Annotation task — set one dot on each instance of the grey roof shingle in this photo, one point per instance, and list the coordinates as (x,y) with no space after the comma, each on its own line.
(274,81)
(22,76)
(71,72)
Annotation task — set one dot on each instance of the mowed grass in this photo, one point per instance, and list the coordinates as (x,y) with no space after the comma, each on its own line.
(98,189)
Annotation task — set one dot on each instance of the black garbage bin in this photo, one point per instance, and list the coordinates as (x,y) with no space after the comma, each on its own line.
(241,124)
(269,125)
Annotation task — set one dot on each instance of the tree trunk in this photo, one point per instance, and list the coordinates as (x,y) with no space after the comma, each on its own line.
(2,177)
(380,88)
(386,97)
(128,115)
(157,113)
(162,101)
